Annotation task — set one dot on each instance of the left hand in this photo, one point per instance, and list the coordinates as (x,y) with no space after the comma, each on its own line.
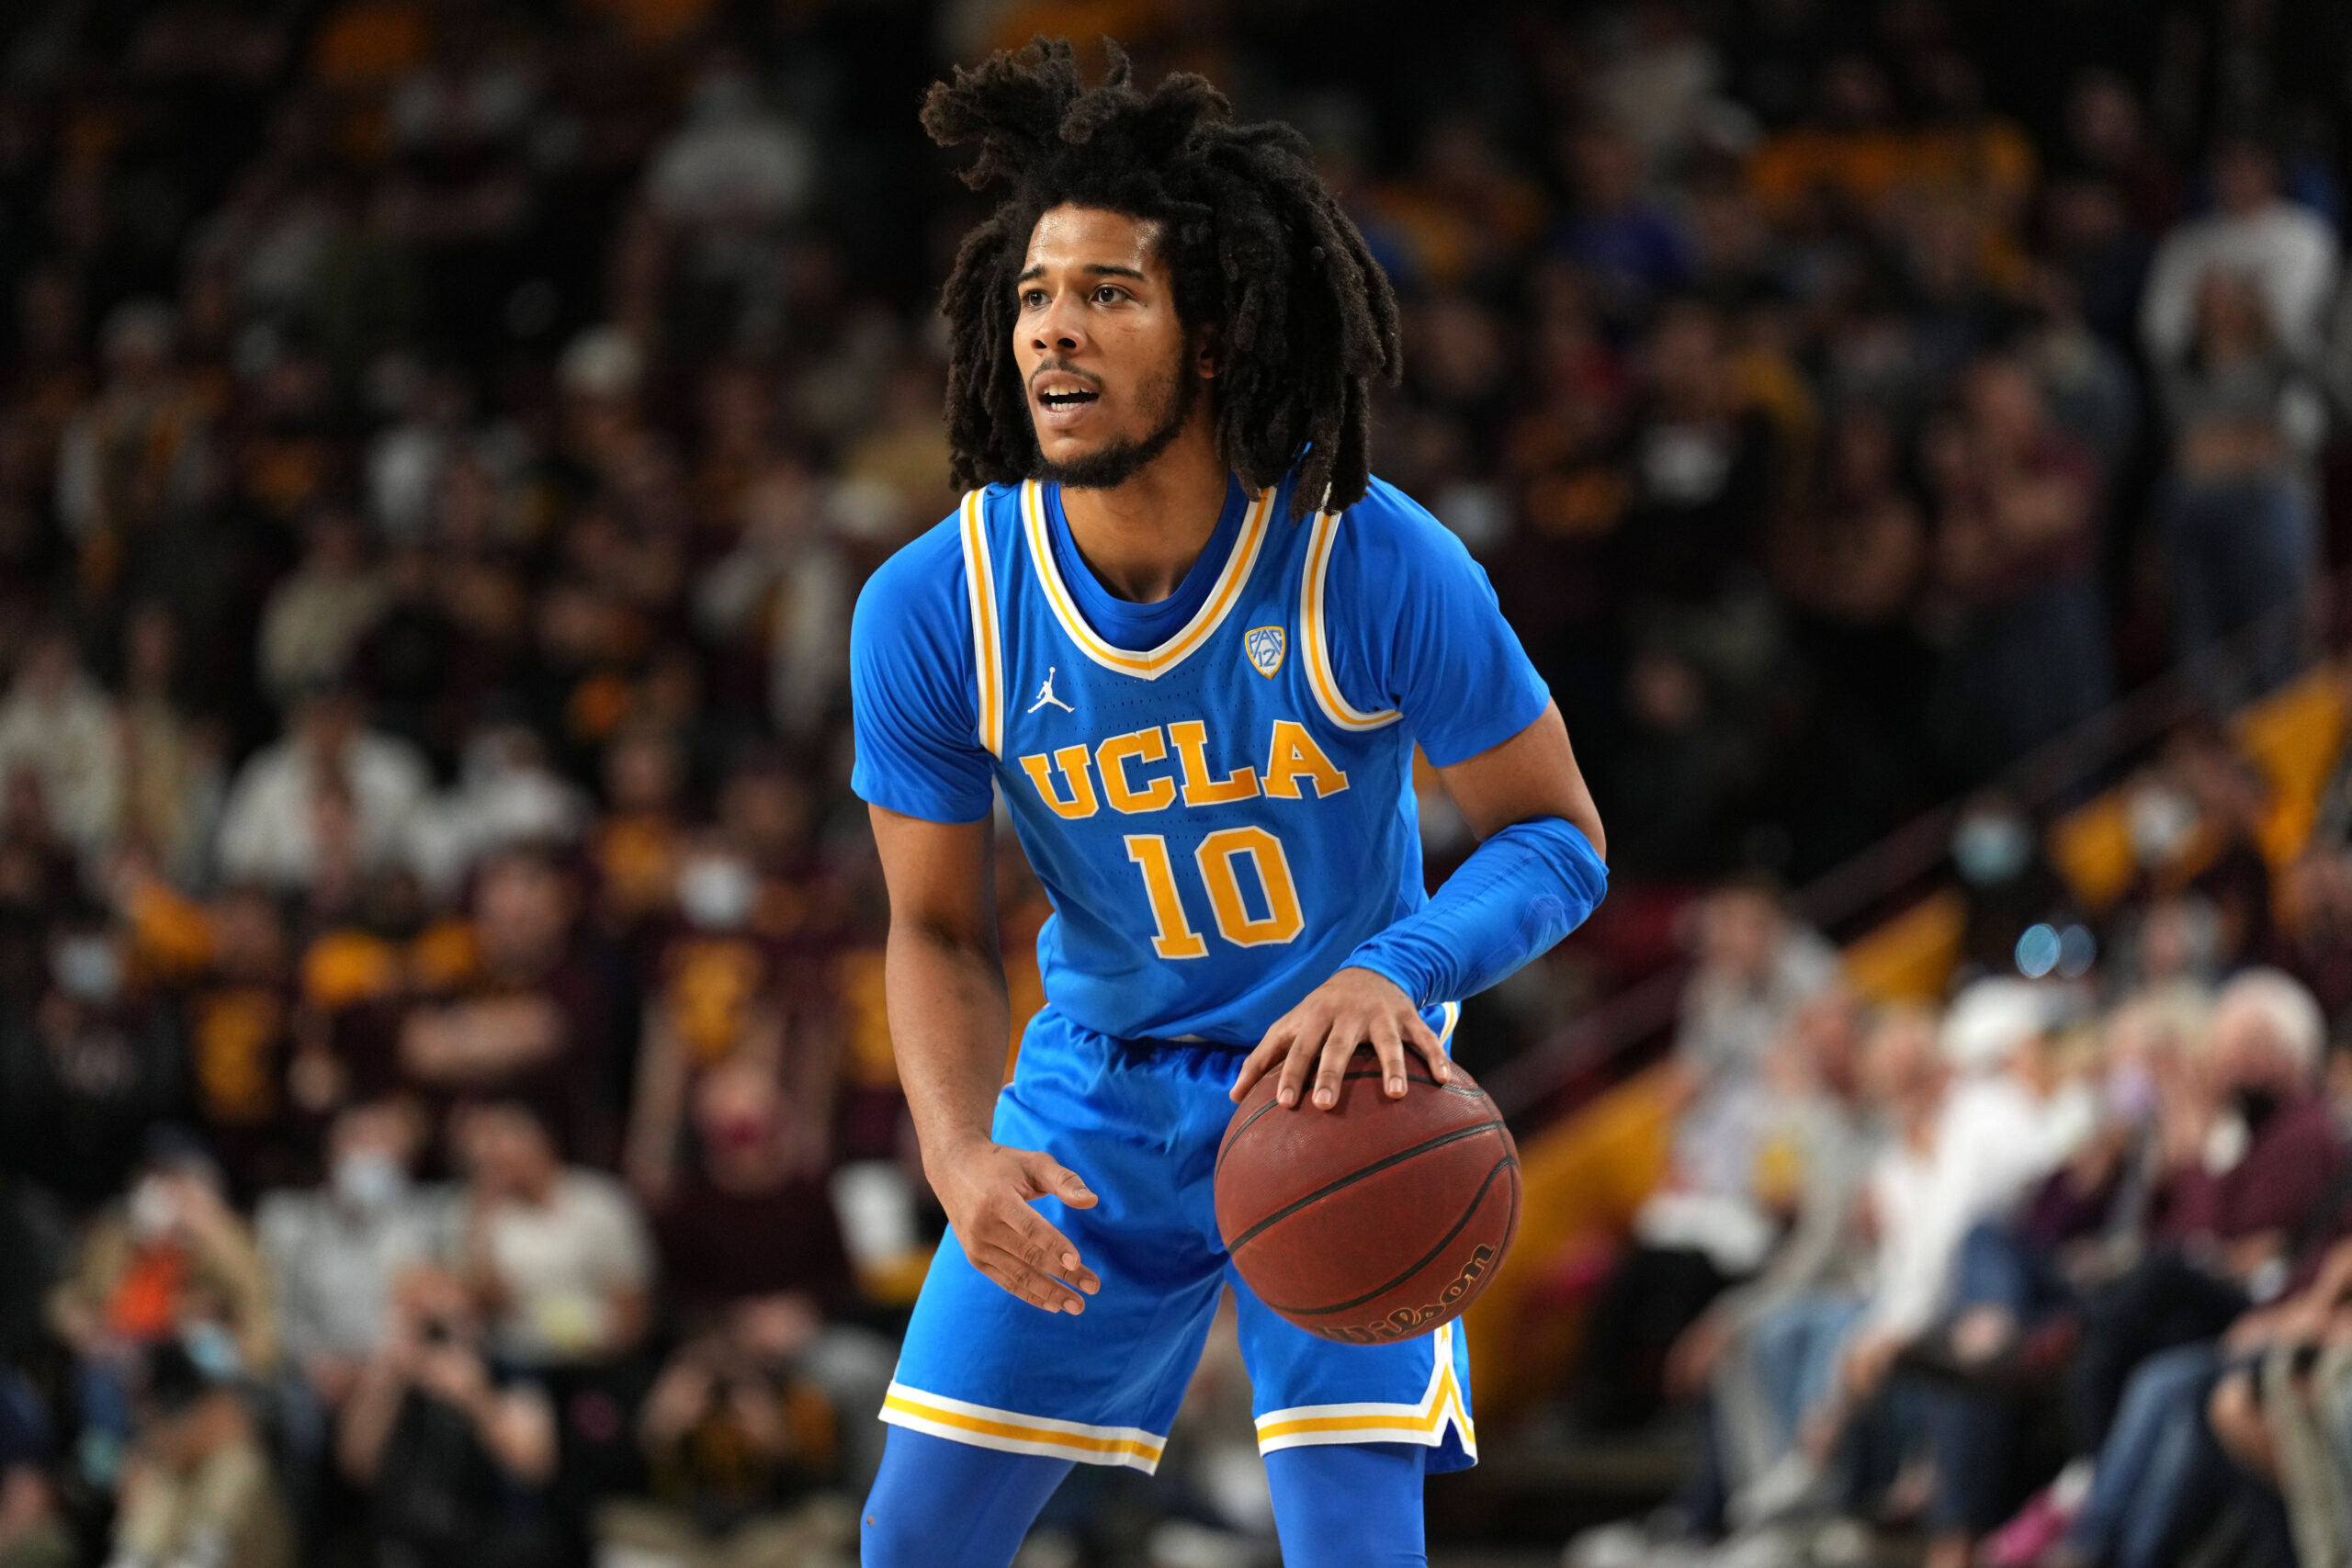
(1352,1008)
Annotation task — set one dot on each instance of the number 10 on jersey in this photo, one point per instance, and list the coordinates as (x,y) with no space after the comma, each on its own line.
(1219,858)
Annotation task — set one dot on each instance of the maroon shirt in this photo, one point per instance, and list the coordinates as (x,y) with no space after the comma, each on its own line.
(2293,1159)
(719,1248)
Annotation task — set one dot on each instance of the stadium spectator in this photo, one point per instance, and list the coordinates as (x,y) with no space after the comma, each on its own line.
(2284,250)
(520,1011)
(559,1253)
(197,1488)
(769,1397)
(452,1447)
(337,1252)
(171,1264)
(130,463)
(94,1062)
(59,724)
(1630,248)
(1691,1243)
(173,781)
(330,793)
(2015,535)
(34,1531)
(2246,418)
(319,610)
(1757,965)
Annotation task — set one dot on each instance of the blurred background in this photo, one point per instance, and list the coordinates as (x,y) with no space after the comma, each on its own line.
(446,1112)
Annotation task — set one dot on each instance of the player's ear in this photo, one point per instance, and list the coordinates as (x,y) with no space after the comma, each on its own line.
(1208,356)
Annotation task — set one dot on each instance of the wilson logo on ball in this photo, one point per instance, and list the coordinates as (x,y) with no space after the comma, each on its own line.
(1407,1322)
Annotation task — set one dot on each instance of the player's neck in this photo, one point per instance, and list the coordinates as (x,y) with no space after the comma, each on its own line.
(1142,537)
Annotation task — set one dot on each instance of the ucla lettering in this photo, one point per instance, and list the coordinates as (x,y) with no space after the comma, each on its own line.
(1072,761)
(1112,756)
(1113,772)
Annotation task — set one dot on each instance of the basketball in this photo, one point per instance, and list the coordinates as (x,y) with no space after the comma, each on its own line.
(1377,1220)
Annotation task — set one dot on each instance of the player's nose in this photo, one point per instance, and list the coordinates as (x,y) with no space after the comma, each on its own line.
(1056,330)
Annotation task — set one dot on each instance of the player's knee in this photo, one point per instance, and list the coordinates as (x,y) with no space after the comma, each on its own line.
(938,1504)
(1349,1505)
(896,1536)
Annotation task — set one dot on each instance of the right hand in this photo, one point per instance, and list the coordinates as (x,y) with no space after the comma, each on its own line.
(986,1190)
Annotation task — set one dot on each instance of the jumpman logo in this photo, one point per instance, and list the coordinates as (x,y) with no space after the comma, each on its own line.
(1046,694)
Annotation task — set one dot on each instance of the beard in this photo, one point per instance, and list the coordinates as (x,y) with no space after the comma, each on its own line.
(1123,459)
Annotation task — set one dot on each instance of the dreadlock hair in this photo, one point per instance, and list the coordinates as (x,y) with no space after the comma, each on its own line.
(1257,245)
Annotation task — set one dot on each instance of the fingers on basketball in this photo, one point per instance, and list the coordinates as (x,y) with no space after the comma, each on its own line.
(1340,1043)
(1262,1059)
(1388,1046)
(1426,1044)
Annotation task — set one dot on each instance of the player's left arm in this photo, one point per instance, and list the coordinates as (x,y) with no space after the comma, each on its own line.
(1538,871)
(1412,625)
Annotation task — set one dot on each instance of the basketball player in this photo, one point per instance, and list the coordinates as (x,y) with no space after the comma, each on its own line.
(1193,644)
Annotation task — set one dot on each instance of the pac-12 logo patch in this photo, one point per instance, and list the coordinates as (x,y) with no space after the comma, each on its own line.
(1264,647)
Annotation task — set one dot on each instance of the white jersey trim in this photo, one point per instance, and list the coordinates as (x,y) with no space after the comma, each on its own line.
(1152,664)
(1314,634)
(1426,1421)
(988,641)
(1009,1431)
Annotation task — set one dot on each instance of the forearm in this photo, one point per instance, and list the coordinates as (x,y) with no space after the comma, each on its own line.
(652,1148)
(518,1434)
(1521,891)
(367,1420)
(949,1017)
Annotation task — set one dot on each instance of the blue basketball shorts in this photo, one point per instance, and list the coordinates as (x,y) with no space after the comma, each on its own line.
(1140,1123)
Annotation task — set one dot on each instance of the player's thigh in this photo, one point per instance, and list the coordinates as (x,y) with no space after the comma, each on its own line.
(937,1503)
(1349,1505)
(1306,1389)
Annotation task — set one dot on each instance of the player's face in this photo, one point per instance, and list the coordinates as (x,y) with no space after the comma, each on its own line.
(1112,374)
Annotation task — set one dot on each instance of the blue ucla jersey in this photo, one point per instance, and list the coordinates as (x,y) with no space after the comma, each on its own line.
(1215,790)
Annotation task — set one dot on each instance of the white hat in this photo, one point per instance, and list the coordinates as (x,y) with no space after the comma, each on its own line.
(1990,1019)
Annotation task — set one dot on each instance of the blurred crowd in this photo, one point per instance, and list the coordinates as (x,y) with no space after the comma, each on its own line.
(2055,1274)
(446,1105)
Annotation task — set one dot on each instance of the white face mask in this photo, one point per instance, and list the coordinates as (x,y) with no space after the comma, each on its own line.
(718,892)
(153,1211)
(2160,819)
(1991,847)
(87,968)
(370,1179)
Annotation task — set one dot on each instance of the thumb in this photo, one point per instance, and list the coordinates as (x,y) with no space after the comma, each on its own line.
(1054,1179)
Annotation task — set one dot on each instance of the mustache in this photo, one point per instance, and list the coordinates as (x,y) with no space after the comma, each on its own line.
(1063,367)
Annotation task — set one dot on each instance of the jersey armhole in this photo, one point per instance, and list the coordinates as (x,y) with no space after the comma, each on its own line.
(987,642)
(1313,632)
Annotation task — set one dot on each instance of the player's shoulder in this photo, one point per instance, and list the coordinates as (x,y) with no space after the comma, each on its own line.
(913,613)
(1388,531)
(925,575)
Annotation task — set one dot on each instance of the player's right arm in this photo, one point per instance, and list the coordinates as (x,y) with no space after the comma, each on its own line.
(948,1020)
(921,771)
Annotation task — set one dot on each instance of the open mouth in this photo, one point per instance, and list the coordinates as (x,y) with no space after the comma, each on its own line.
(1063,398)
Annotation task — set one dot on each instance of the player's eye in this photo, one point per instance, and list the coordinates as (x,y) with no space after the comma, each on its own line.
(1032,298)
(1108,294)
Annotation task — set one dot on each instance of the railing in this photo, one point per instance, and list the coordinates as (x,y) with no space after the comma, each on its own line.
(2045,777)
